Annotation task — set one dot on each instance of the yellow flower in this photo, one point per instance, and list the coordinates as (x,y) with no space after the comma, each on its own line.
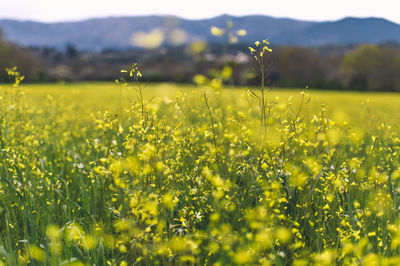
(241,32)
(252,50)
(217,31)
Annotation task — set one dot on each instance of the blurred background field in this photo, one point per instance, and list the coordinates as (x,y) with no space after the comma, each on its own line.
(361,54)
(87,98)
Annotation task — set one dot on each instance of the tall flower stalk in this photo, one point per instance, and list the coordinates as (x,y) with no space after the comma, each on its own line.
(260,53)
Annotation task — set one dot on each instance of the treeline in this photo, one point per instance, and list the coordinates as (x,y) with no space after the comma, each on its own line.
(14,55)
(363,67)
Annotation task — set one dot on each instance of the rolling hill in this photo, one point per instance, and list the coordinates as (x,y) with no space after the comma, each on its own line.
(116,32)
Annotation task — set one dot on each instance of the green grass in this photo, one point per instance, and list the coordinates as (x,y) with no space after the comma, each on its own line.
(87,178)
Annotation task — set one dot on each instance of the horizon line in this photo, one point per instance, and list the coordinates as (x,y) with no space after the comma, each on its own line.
(191,19)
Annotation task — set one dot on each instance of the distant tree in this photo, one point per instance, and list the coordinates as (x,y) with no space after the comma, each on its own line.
(1,36)
(13,55)
(370,67)
(298,67)
(71,51)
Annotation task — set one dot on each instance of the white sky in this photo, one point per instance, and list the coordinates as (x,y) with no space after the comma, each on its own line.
(72,10)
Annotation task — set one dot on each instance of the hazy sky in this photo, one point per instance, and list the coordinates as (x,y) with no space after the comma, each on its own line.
(67,10)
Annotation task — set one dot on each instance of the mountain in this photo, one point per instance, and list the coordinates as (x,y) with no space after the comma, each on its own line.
(117,32)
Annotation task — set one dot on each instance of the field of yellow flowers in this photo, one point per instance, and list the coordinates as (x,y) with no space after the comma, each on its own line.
(100,174)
